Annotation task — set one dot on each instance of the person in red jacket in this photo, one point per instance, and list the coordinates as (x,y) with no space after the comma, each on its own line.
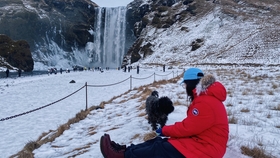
(202,134)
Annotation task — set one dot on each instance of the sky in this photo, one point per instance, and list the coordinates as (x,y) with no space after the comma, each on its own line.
(111,3)
(124,118)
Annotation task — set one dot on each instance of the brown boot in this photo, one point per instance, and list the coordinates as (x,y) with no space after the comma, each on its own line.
(114,144)
(108,151)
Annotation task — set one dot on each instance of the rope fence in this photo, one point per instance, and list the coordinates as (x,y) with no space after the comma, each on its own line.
(86,86)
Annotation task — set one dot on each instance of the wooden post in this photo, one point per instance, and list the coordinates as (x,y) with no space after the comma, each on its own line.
(130,82)
(86,97)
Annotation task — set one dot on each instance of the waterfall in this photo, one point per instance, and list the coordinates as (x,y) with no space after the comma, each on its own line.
(106,50)
(109,37)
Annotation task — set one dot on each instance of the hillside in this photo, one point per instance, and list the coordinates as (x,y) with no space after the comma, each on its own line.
(225,32)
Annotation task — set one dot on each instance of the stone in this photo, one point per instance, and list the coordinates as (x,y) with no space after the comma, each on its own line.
(16,54)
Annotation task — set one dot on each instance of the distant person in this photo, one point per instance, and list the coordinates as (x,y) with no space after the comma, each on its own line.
(60,70)
(7,72)
(125,68)
(19,72)
(137,69)
(128,68)
(164,68)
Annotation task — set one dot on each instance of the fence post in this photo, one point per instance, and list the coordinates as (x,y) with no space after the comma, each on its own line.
(86,97)
(130,82)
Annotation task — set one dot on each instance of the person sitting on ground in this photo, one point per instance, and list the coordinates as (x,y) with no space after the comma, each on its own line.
(202,134)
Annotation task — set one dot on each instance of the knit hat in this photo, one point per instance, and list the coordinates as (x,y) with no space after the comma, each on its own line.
(192,74)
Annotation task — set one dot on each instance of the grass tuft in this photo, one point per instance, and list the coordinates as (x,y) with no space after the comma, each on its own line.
(277,108)
(229,105)
(232,120)
(246,110)
(255,152)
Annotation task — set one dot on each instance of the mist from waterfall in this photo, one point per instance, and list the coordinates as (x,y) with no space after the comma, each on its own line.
(106,50)
(109,37)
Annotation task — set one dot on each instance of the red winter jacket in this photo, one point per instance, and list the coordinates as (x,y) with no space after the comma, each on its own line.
(204,132)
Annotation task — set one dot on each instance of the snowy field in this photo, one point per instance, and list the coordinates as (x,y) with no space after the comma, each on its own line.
(252,104)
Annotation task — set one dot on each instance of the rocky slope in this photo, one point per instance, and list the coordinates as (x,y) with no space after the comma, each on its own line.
(17,53)
(42,22)
(228,32)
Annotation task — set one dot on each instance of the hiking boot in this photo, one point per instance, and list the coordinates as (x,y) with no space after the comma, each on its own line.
(108,151)
(114,144)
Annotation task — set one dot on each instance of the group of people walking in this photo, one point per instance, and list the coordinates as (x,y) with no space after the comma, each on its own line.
(54,70)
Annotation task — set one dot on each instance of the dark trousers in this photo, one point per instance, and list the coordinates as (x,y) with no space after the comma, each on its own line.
(154,148)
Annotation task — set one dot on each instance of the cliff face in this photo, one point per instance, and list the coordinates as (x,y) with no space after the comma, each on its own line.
(35,20)
(44,22)
(158,14)
(16,53)
(183,32)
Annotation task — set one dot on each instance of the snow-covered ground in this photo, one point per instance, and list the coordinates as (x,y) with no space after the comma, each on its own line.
(253,98)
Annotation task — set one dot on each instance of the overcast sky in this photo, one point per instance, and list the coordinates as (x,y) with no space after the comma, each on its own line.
(111,3)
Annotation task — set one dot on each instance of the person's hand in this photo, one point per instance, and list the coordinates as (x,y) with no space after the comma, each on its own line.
(159,132)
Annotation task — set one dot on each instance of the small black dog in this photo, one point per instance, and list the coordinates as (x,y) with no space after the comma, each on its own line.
(158,109)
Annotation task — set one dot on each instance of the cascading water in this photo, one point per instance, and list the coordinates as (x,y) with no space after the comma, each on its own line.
(106,50)
(109,37)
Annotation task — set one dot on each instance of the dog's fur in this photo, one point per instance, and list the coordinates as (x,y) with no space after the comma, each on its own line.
(158,109)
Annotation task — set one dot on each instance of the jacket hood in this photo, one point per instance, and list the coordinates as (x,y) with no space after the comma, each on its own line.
(209,86)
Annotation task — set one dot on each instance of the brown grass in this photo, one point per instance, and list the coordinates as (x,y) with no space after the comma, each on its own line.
(142,114)
(149,136)
(229,105)
(270,92)
(232,120)
(136,136)
(91,131)
(229,112)
(255,152)
(26,152)
(143,106)
(277,108)
(176,103)
(274,85)
(81,150)
(245,110)
(259,93)
(268,115)
(28,148)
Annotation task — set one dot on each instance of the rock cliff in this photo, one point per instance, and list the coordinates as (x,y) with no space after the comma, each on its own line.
(16,53)
(183,32)
(43,22)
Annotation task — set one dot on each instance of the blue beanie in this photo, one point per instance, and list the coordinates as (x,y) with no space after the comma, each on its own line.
(192,74)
